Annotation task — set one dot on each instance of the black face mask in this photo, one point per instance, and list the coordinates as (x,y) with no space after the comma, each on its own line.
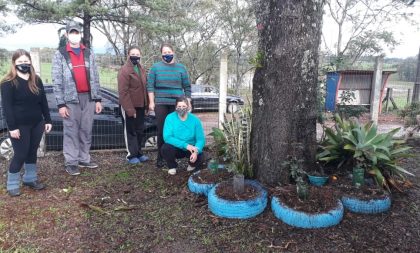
(24,68)
(135,60)
(168,57)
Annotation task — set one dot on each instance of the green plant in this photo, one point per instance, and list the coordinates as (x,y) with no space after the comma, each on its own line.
(362,146)
(297,173)
(220,144)
(237,133)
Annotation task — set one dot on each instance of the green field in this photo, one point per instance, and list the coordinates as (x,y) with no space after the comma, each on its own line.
(107,76)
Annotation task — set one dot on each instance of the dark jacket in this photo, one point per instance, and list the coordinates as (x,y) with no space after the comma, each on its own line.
(132,88)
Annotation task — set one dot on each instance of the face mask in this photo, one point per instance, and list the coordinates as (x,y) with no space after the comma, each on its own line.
(24,68)
(181,111)
(135,60)
(74,38)
(168,57)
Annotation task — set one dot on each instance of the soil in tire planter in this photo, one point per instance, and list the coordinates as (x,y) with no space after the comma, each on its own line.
(206,177)
(320,199)
(225,191)
(365,192)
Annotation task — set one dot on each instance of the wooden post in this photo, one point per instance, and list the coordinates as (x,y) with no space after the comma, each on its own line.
(408,96)
(376,89)
(223,86)
(36,63)
(416,91)
(387,100)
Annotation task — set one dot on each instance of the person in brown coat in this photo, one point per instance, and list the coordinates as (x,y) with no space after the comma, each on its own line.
(133,100)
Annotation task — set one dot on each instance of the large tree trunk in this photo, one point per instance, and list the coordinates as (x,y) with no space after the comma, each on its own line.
(284,91)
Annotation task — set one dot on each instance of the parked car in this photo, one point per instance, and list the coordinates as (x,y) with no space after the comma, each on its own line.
(107,132)
(206,98)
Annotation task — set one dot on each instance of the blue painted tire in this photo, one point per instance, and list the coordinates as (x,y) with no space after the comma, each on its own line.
(372,206)
(317,181)
(241,209)
(197,188)
(306,220)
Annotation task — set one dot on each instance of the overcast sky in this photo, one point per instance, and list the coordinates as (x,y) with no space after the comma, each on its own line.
(45,35)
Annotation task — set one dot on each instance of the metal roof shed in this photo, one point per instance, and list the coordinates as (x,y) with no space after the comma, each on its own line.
(360,81)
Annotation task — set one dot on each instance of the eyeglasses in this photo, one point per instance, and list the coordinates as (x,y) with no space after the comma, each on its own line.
(181,107)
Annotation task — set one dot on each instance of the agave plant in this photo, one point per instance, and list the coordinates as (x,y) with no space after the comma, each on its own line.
(237,132)
(362,146)
(233,142)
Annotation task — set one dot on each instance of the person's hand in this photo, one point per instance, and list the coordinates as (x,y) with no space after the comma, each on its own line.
(193,157)
(135,115)
(151,106)
(98,107)
(192,148)
(64,112)
(48,128)
(15,134)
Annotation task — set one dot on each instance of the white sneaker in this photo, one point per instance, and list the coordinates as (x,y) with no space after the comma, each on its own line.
(172,171)
(190,168)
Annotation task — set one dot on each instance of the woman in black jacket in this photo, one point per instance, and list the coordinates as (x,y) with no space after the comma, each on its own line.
(27,115)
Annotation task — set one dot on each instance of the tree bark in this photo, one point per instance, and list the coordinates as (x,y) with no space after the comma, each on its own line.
(87,37)
(284,89)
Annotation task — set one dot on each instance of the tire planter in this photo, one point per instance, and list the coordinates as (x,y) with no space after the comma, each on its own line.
(317,181)
(240,209)
(198,188)
(372,206)
(306,220)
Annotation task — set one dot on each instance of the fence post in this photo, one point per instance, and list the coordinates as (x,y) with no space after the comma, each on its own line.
(223,86)
(36,60)
(408,96)
(416,91)
(36,63)
(376,89)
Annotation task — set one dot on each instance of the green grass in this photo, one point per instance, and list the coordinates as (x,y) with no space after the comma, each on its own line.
(107,76)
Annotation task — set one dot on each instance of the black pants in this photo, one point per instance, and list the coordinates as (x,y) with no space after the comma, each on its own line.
(133,132)
(161,112)
(171,153)
(25,148)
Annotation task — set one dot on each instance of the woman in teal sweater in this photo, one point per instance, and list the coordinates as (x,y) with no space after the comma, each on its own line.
(184,137)
(167,80)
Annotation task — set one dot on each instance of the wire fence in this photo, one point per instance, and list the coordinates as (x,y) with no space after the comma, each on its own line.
(108,132)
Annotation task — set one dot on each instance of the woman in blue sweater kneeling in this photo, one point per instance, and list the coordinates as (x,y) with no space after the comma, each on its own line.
(184,137)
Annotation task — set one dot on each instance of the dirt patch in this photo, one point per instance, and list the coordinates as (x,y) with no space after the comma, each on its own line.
(226,191)
(207,177)
(320,199)
(123,208)
(368,191)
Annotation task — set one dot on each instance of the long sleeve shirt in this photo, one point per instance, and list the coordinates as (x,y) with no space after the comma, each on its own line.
(21,106)
(168,81)
(180,133)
